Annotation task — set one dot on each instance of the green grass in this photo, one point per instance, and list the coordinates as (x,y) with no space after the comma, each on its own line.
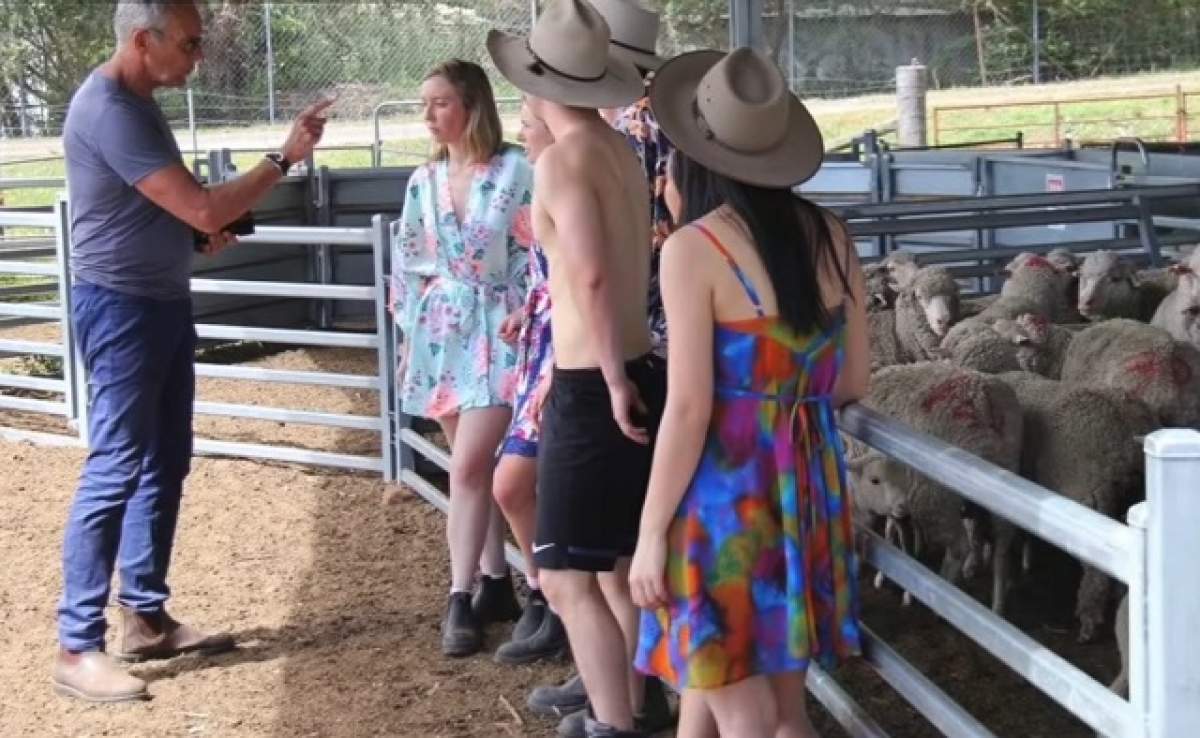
(1151,119)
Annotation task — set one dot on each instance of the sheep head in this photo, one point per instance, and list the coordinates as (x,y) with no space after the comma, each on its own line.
(903,267)
(1104,278)
(877,487)
(1029,332)
(937,293)
(1189,288)
(1063,260)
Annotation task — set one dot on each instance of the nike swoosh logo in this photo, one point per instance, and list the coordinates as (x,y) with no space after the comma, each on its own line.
(537,548)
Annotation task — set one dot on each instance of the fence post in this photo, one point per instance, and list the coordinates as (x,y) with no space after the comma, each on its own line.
(75,393)
(1172,588)
(1181,115)
(912,85)
(1057,125)
(386,349)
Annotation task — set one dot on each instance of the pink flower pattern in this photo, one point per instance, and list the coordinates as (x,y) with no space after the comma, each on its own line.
(454,283)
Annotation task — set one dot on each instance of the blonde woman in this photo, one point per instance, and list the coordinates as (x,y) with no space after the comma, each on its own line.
(460,260)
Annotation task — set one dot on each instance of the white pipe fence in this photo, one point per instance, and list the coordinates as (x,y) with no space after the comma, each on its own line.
(73,385)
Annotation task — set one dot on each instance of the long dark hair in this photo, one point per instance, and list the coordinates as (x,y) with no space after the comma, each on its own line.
(791,235)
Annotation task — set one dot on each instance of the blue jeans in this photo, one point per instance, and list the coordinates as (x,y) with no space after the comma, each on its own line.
(138,353)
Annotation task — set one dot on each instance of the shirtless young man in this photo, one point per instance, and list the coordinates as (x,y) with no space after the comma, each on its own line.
(591,217)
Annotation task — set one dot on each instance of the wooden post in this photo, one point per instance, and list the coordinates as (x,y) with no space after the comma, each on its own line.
(1057,125)
(1181,121)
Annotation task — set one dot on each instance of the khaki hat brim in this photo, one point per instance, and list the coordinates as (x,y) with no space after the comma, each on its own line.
(794,160)
(620,85)
(643,59)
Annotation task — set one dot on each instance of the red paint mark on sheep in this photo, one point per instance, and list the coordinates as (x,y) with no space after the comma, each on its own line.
(956,393)
(1039,262)
(1146,365)
(1149,365)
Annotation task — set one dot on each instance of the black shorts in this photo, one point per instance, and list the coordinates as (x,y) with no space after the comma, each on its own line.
(591,478)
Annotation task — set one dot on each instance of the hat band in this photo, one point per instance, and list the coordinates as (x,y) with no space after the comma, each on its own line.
(539,64)
(631,47)
(702,122)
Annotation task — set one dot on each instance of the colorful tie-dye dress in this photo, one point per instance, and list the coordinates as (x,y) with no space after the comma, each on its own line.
(761,568)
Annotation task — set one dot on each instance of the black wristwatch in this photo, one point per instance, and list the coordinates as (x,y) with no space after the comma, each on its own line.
(280,161)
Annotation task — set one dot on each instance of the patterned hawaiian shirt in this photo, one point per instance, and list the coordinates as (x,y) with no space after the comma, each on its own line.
(640,128)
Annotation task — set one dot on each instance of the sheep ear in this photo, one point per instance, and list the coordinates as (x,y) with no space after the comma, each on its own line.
(858,463)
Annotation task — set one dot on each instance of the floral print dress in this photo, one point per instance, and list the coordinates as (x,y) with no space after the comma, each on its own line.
(453,284)
(641,130)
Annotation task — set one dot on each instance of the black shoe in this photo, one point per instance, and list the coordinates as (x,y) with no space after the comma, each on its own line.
(559,700)
(461,634)
(532,616)
(592,728)
(573,725)
(549,641)
(656,712)
(495,601)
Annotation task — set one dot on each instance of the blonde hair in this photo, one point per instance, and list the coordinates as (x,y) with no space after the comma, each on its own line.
(483,135)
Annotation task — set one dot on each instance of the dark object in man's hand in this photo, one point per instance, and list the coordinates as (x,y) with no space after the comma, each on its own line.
(243,226)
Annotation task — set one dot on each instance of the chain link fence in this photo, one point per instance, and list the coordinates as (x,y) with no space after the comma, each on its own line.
(266,60)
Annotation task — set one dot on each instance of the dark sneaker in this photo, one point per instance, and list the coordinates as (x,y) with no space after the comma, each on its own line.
(461,634)
(656,716)
(595,729)
(573,724)
(558,700)
(656,712)
(495,601)
(550,641)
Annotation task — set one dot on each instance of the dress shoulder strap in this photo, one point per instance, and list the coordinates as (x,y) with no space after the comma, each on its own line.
(733,265)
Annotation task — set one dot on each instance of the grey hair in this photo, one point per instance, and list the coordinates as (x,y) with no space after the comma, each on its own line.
(134,14)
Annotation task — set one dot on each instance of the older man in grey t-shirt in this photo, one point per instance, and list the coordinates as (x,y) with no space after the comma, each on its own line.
(134,208)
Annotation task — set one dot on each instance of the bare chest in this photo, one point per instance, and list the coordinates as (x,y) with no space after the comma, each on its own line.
(459,183)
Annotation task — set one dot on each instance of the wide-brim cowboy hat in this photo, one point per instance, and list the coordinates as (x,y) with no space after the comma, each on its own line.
(633,31)
(567,59)
(733,113)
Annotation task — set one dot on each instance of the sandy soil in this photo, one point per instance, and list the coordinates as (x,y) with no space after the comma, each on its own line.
(336,598)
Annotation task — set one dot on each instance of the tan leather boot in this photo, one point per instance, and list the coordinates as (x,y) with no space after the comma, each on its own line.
(96,677)
(160,636)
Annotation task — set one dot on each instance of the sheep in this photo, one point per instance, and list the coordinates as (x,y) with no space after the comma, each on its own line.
(1081,442)
(1109,288)
(1036,286)
(1063,259)
(913,330)
(1041,345)
(881,294)
(886,277)
(885,344)
(903,266)
(925,309)
(1120,685)
(1179,313)
(966,409)
(1067,263)
(1143,361)
(990,348)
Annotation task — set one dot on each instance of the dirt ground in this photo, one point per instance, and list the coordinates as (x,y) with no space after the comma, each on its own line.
(335,598)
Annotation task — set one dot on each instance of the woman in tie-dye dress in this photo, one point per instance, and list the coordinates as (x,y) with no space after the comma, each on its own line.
(745,565)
